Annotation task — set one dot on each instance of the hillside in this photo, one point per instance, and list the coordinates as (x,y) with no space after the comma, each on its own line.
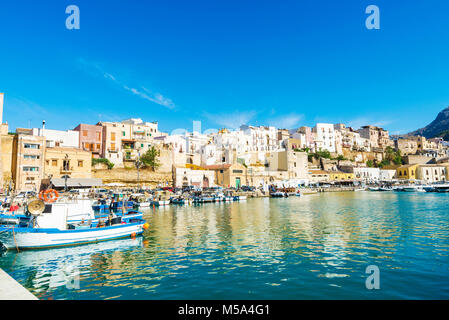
(439,127)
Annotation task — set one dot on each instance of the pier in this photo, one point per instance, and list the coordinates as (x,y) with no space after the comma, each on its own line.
(10,289)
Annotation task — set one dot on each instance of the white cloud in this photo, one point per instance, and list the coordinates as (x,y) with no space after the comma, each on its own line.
(143,93)
(286,122)
(231,120)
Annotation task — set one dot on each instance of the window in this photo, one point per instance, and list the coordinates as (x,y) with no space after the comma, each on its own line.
(124,133)
(30,169)
(54,163)
(113,146)
(98,135)
(113,136)
(31,157)
(80,163)
(31,146)
(84,133)
(66,165)
(98,146)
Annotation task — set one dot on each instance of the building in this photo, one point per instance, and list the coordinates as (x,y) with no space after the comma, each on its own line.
(339,176)
(6,158)
(190,175)
(295,164)
(318,176)
(58,138)
(406,146)
(261,138)
(324,137)
(124,141)
(366,174)
(70,162)
(386,175)
(431,173)
(28,160)
(407,172)
(91,139)
(230,175)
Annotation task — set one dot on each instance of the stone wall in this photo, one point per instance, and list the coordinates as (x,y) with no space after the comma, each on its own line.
(129,177)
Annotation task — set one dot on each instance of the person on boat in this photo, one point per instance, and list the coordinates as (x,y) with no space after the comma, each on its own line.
(13,208)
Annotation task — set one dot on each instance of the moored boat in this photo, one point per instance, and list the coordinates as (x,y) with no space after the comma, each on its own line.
(49,227)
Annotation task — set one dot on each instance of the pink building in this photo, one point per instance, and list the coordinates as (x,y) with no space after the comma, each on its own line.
(91,139)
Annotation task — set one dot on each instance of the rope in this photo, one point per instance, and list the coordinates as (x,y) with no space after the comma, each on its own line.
(15,242)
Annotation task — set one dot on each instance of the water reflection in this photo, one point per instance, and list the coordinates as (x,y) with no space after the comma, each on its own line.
(314,247)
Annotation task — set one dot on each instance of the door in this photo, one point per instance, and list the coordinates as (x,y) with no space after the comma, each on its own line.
(237,183)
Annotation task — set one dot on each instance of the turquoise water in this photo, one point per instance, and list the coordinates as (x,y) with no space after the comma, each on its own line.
(312,247)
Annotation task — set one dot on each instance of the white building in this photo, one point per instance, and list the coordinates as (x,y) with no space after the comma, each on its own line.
(325,137)
(387,175)
(261,138)
(57,138)
(184,177)
(365,174)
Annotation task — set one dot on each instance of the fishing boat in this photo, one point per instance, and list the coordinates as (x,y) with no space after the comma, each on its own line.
(279,194)
(409,188)
(140,200)
(161,199)
(240,198)
(373,188)
(385,189)
(444,188)
(80,210)
(49,228)
(219,197)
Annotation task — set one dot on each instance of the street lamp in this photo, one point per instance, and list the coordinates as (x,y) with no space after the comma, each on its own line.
(138,164)
(66,176)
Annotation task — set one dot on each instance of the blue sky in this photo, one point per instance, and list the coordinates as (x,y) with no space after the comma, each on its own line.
(283,63)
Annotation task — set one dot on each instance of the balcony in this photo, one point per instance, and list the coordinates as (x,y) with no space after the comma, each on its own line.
(66,169)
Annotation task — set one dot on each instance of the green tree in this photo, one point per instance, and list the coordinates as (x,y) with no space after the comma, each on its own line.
(150,158)
(370,163)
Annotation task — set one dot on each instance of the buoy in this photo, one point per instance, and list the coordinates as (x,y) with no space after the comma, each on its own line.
(146,226)
(133,235)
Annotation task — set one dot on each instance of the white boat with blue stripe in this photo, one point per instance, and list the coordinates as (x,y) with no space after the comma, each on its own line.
(53,225)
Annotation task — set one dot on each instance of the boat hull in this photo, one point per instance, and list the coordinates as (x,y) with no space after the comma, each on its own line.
(29,238)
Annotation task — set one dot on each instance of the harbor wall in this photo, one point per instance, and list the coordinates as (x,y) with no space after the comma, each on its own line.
(129,176)
(10,289)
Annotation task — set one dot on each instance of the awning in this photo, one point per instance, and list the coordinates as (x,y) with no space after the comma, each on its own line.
(76,182)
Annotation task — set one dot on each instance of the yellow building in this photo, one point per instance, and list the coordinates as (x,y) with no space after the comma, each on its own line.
(407,172)
(6,157)
(28,160)
(341,176)
(228,175)
(75,163)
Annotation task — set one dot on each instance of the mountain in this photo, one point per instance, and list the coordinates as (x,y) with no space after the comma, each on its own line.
(438,128)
